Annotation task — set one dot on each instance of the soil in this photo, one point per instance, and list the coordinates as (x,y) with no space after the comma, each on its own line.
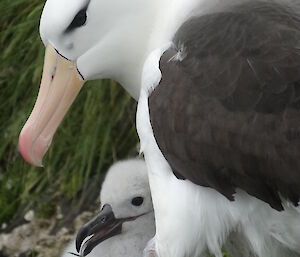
(35,238)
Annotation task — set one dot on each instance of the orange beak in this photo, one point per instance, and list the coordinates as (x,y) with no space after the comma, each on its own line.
(61,83)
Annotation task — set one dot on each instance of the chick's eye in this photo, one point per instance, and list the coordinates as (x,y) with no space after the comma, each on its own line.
(79,20)
(103,219)
(137,201)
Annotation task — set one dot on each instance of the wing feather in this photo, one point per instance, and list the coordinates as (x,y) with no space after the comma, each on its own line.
(227,116)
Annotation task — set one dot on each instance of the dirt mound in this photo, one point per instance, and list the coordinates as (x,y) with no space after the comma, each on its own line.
(36,238)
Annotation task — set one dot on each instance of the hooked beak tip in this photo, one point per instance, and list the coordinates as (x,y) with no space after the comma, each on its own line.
(60,84)
(82,233)
(32,152)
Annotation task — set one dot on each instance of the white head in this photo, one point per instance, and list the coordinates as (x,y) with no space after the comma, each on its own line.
(85,40)
(92,39)
(126,210)
(126,189)
(106,39)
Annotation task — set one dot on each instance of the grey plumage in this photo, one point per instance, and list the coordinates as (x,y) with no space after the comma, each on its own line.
(128,177)
(124,181)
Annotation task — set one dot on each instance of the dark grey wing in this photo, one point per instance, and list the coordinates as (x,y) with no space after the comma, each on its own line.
(226,114)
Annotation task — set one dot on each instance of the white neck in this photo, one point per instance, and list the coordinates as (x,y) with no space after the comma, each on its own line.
(123,49)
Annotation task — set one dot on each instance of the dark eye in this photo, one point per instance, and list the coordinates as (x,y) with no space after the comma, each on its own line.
(103,219)
(79,20)
(137,201)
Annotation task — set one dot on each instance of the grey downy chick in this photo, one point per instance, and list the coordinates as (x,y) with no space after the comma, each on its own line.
(125,222)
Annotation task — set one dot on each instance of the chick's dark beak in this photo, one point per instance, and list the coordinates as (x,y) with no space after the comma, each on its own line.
(100,228)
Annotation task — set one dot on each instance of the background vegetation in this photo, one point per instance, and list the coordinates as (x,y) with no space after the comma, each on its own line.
(98,129)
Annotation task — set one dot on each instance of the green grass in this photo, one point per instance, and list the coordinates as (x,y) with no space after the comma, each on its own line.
(98,129)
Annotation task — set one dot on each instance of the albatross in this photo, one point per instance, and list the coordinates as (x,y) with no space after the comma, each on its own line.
(126,221)
(218,89)
(126,199)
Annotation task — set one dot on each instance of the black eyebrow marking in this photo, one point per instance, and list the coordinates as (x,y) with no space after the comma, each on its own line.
(79,19)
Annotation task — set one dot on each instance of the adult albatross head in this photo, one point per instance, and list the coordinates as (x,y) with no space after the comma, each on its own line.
(85,40)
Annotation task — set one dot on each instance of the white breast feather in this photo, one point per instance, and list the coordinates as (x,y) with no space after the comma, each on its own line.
(191,219)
